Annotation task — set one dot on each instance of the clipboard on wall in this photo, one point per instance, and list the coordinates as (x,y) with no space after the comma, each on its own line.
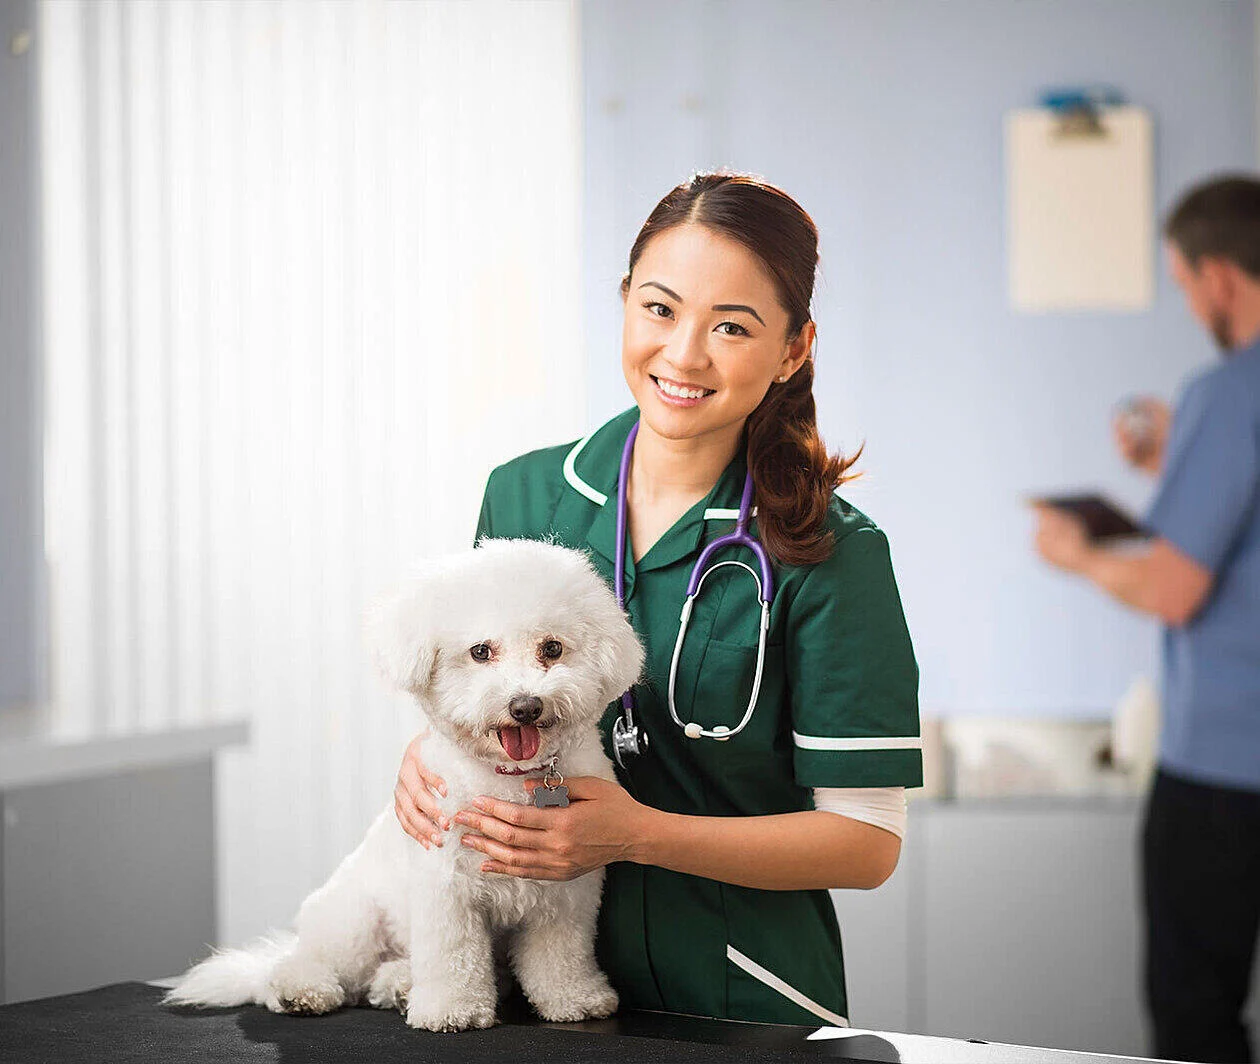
(1080,207)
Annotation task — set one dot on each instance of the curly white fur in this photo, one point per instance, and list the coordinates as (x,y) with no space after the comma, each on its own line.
(398,926)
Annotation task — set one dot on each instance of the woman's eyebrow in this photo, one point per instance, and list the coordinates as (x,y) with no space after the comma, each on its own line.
(716,306)
(738,306)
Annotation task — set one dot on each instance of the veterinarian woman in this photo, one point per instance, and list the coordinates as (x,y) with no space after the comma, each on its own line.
(720,853)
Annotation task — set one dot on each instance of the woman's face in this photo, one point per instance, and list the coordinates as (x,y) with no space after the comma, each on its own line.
(704,334)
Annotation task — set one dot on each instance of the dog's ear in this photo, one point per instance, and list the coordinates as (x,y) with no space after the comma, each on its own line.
(399,635)
(616,649)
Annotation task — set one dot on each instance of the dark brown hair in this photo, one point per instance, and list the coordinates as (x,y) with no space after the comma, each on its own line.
(1219,219)
(793,472)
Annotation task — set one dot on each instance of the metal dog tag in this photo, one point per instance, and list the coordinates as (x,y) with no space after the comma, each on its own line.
(552,794)
(551,797)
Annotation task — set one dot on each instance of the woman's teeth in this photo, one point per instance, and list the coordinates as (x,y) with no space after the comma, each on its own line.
(679,392)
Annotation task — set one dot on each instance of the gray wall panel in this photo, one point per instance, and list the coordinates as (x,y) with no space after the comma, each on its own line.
(875,929)
(20,420)
(107,879)
(1032,925)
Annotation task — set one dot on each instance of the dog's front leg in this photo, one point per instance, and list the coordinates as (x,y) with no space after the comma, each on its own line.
(553,953)
(452,960)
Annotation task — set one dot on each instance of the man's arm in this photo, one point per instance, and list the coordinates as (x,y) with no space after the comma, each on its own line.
(1160,580)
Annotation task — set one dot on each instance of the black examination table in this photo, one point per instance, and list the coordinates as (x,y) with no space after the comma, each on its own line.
(125,1022)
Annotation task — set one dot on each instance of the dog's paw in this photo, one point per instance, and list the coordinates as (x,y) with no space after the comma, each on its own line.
(391,986)
(592,1002)
(304,988)
(448,1016)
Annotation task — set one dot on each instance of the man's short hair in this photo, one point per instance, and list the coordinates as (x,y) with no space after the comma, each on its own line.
(1219,219)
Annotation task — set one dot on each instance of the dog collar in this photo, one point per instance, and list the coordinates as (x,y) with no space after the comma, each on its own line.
(547,769)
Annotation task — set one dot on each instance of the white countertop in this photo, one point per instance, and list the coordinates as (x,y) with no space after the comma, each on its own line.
(929,1049)
(30,762)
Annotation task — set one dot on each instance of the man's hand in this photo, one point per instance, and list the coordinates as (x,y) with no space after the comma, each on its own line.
(1141,433)
(1159,579)
(1061,538)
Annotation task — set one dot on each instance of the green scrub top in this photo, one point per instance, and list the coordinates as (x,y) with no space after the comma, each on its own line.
(838,707)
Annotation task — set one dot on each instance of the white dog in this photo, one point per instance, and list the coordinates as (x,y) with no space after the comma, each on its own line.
(512,650)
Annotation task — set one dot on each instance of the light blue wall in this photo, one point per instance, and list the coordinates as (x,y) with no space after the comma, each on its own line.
(885,121)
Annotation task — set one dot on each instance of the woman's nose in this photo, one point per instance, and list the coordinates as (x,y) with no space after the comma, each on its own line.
(686,349)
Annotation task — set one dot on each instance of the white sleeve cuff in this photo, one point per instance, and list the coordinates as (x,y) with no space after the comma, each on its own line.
(885,807)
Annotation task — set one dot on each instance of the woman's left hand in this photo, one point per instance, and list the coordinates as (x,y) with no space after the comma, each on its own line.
(597,828)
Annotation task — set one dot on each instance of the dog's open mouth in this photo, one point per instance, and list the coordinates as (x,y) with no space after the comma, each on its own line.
(520,742)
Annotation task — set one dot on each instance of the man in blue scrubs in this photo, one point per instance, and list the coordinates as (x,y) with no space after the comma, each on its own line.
(1201,576)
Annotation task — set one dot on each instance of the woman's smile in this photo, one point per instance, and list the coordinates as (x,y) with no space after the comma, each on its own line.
(676,393)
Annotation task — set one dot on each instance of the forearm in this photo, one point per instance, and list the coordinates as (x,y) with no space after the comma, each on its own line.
(1122,576)
(1160,581)
(791,851)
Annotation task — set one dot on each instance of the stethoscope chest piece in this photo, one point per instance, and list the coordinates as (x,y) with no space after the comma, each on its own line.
(628,739)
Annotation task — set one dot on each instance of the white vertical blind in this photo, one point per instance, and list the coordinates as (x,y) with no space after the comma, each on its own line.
(311,270)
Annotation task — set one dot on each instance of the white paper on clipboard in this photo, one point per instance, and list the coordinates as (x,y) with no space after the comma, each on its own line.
(1080,212)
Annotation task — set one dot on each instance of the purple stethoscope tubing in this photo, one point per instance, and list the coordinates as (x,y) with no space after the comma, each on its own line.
(626,735)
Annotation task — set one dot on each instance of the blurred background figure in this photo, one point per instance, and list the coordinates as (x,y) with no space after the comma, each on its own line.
(1200,575)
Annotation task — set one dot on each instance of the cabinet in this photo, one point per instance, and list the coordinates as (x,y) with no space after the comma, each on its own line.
(107,860)
(1012,921)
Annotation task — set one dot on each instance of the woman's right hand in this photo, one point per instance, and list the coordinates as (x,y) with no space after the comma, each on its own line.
(1141,432)
(415,798)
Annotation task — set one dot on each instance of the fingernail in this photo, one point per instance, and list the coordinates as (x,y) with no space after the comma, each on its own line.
(446,823)
(442,788)
(482,803)
(486,867)
(436,840)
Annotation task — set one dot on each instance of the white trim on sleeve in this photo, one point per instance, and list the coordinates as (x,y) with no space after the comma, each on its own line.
(775,983)
(872,742)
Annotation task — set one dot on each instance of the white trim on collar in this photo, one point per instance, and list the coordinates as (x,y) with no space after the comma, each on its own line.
(718,514)
(599,498)
(577,483)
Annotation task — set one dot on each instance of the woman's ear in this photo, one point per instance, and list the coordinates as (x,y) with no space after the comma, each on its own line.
(798,350)
(398,632)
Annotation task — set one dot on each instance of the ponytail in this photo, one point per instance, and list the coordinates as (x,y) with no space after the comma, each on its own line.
(793,473)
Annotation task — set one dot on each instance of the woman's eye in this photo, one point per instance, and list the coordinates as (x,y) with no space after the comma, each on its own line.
(659,310)
(481,652)
(552,649)
(739,329)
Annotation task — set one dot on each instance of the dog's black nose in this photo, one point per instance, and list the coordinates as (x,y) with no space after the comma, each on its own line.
(525,709)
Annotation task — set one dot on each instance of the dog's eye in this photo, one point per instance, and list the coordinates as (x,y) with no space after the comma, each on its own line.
(481,652)
(552,649)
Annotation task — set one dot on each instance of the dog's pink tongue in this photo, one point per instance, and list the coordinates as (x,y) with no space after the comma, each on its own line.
(520,743)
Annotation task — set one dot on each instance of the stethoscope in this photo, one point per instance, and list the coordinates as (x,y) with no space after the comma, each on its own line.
(628,737)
